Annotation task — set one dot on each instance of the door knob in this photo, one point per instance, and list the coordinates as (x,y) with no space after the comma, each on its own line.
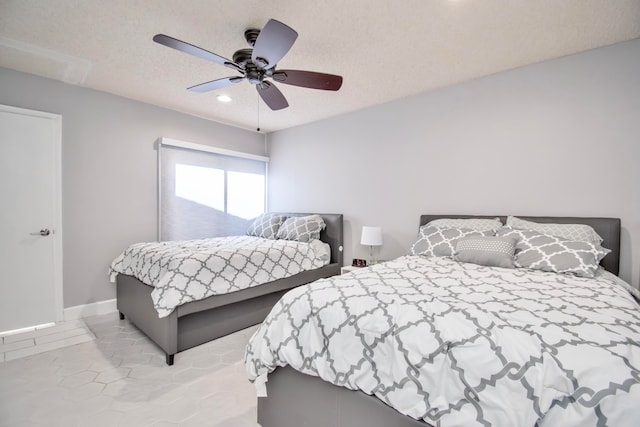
(43,232)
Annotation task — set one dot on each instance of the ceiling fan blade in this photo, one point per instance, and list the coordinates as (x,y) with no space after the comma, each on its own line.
(272,44)
(215,84)
(272,96)
(195,51)
(309,79)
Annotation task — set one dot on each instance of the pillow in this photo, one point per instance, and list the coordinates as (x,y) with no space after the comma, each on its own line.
(441,242)
(478,224)
(545,252)
(266,225)
(581,232)
(491,251)
(302,228)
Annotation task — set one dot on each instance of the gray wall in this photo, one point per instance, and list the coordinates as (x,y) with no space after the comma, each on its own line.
(556,138)
(109,177)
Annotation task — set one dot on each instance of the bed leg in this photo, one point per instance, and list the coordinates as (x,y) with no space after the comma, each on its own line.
(170,359)
(121,315)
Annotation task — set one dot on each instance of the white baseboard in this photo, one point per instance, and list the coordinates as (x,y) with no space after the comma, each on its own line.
(93,309)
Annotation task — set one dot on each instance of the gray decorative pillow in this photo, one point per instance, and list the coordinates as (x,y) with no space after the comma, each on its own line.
(491,251)
(302,228)
(266,225)
(441,242)
(580,232)
(478,224)
(545,252)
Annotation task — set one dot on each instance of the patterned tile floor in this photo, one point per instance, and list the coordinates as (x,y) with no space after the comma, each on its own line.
(121,379)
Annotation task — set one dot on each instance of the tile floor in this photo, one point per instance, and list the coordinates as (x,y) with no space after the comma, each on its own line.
(120,379)
(22,344)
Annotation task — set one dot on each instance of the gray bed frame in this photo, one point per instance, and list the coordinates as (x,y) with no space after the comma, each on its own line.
(299,400)
(201,321)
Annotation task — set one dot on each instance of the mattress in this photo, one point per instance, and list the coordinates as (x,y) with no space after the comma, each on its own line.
(185,271)
(458,344)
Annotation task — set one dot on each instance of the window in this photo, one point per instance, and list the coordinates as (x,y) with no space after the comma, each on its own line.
(207,192)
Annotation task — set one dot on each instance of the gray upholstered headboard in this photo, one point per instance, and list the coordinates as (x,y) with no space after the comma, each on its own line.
(332,234)
(607,228)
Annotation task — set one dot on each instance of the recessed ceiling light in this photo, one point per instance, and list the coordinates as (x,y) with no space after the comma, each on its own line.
(224,98)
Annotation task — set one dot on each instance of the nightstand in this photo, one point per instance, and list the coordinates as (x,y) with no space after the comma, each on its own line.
(348,268)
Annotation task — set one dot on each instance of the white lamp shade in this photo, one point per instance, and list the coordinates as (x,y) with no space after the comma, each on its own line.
(371,236)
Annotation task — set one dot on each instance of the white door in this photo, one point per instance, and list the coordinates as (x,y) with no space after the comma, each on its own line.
(30,220)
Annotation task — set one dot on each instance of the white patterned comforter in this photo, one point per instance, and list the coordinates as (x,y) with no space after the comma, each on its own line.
(185,271)
(459,344)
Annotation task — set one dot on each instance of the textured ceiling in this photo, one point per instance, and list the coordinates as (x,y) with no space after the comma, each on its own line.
(384,49)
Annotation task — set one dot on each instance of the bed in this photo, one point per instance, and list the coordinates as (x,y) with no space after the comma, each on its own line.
(294,398)
(196,322)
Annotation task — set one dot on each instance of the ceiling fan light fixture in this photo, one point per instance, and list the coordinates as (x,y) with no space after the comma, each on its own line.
(224,98)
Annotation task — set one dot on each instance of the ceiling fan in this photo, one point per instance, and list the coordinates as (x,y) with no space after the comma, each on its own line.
(258,64)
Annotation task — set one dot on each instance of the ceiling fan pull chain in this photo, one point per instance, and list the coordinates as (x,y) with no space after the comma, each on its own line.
(258,104)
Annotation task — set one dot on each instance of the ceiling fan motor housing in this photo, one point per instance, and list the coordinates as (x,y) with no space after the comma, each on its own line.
(242,57)
(253,74)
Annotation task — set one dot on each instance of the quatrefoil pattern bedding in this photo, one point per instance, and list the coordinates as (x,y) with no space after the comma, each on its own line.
(266,225)
(436,241)
(458,344)
(302,228)
(185,271)
(550,253)
(577,232)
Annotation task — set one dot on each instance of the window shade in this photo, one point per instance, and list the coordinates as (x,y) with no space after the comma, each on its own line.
(207,192)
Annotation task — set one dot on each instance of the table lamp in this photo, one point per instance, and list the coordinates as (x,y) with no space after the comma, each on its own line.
(371,236)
